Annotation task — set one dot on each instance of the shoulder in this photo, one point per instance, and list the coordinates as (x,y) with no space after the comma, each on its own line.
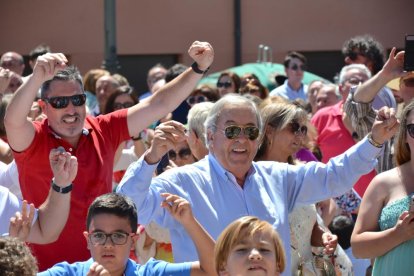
(64,268)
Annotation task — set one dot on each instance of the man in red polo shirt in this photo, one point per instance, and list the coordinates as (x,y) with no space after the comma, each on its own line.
(92,140)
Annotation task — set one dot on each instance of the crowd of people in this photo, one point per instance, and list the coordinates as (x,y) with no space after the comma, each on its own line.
(224,179)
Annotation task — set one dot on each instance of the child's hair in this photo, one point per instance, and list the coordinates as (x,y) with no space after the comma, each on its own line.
(16,258)
(115,204)
(239,229)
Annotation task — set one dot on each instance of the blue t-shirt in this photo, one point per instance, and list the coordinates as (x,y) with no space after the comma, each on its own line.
(152,267)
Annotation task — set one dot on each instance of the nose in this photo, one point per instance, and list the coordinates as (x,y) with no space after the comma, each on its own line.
(255,254)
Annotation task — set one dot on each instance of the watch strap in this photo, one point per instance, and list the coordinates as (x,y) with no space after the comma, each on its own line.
(195,68)
(62,190)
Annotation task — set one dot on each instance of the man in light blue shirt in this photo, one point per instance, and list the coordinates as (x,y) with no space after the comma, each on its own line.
(227,184)
(293,88)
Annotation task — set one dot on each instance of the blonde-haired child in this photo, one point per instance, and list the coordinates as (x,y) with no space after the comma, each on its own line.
(249,244)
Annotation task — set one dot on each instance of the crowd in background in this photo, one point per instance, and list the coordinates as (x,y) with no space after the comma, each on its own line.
(309,172)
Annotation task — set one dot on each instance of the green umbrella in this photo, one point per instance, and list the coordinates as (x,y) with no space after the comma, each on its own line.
(265,71)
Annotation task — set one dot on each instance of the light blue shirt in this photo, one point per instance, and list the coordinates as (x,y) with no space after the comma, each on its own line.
(270,192)
(288,93)
(151,268)
(384,98)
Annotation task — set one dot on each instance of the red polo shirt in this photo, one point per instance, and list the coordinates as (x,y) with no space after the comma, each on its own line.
(95,153)
(334,139)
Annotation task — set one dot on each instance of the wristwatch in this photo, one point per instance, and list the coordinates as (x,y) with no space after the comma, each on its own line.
(195,68)
(62,190)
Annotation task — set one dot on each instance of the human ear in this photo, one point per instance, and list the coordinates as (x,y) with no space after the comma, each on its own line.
(86,235)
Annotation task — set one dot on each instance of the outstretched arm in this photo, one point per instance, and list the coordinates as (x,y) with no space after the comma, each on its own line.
(167,98)
(54,212)
(19,128)
(180,209)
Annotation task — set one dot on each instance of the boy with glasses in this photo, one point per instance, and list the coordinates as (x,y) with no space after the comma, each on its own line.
(92,140)
(293,88)
(227,184)
(111,235)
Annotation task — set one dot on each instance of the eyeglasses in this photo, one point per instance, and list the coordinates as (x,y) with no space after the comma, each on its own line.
(182,153)
(409,82)
(62,102)
(296,67)
(410,129)
(225,84)
(118,106)
(232,132)
(297,129)
(117,238)
(354,81)
(192,100)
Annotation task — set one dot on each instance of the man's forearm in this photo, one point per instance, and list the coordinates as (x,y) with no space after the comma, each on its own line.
(366,92)
(52,217)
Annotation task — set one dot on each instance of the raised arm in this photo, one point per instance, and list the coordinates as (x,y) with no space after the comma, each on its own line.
(392,69)
(54,212)
(167,98)
(180,209)
(19,128)
(367,240)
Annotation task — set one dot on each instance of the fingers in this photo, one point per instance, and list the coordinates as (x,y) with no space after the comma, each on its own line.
(173,202)
(202,53)
(49,64)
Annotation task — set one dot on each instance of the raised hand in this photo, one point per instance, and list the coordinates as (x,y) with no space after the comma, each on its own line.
(21,222)
(178,207)
(385,126)
(394,66)
(48,65)
(166,135)
(64,166)
(202,53)
(5,75)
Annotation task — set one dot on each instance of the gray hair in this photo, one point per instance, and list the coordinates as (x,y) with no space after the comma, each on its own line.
(196,118)
(68,74)
(220,105)
(361,67)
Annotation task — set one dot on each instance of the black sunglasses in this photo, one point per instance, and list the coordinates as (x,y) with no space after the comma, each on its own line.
(118,106)
(296,67)
(62,102)
(225,84)
(183,153)
(232,132)
(297,129)
(196,99)
(410,129)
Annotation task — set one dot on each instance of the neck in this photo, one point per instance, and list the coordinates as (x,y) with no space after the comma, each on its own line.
(294,85)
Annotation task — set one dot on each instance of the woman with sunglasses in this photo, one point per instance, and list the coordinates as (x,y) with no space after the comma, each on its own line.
(285,130)
(228,82)
(384,229)
(128,151)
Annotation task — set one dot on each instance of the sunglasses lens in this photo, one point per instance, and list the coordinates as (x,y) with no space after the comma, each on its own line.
(184,153)
(59,102)
(78,100)
(172,155)
(252,132)
(232,132)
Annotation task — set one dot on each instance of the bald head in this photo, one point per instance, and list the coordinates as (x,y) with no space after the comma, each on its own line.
(12,61)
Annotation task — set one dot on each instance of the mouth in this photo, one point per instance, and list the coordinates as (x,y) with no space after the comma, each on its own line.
(70,119)
(239,151)
(256,268)
(106,256)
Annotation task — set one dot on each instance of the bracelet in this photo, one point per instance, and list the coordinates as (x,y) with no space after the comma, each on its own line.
(373,142)
(59,189)
(195,68)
